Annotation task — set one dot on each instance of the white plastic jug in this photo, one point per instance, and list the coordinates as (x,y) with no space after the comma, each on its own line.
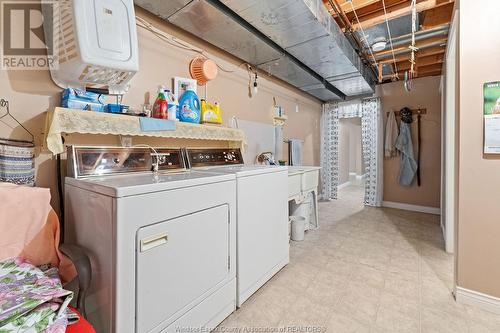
(298,228)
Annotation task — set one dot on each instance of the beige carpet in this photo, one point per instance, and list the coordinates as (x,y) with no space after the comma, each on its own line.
(365,270)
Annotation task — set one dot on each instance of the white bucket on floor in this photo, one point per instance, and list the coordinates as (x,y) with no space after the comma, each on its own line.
(302,209)
(298,227)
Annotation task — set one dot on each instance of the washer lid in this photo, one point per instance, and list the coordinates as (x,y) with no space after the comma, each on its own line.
(142,183)
(246,170)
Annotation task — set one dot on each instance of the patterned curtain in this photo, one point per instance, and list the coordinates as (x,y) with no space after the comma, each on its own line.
(372,142)
(351,109)
(371,122)
(329,151)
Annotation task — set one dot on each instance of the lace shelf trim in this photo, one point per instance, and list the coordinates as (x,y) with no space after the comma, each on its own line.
(62,120)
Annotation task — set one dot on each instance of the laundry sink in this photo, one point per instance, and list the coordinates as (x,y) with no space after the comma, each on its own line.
(303,191)
(301,180)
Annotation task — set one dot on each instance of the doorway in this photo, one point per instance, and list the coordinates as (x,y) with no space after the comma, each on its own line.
(351,164)
(369,111)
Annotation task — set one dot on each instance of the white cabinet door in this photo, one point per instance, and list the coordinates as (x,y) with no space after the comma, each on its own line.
(179,261)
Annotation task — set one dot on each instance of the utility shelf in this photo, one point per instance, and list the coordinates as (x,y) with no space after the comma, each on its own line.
(66,121)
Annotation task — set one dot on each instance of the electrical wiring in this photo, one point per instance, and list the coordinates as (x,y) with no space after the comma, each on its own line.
(182,45)
(364,35)
(395,72)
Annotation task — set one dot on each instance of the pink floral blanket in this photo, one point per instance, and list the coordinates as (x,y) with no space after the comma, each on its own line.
(31,298)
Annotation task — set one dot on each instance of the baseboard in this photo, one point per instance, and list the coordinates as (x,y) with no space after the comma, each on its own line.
(483,301)
(343,185)
(414,208)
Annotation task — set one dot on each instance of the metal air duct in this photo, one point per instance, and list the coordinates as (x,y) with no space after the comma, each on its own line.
(305,29)
(295,40)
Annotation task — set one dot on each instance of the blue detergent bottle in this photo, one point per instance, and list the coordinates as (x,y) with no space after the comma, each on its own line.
(189,108)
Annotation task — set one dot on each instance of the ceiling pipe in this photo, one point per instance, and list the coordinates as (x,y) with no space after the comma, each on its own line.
(441,30)
(408,50)
(422,34)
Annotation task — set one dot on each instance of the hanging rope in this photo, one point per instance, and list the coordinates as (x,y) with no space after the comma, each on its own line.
(395,71)
(409,75)
(365,39)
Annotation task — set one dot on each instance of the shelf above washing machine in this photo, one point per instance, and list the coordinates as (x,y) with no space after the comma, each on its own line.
(67,121)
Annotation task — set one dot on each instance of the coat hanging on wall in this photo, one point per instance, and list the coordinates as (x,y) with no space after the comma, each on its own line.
(406,115)
(408,164)
(391,134)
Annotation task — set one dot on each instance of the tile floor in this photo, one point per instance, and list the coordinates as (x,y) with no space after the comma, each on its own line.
(365,270)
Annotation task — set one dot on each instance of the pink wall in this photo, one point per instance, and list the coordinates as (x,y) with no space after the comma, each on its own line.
(425,94)
(478,262)
(32,93)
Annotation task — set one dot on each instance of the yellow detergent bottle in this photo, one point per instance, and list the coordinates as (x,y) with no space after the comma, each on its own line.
(210,113)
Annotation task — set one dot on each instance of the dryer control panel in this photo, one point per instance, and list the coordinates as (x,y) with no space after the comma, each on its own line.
(99,161)
(214,157)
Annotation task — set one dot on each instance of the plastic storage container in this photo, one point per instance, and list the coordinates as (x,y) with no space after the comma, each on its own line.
(298,228)
(302,209)
(83,100)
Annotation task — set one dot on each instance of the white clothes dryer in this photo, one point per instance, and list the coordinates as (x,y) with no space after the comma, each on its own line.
(162,245)
(262,215)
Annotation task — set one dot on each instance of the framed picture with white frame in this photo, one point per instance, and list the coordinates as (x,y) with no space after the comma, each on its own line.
(182,84)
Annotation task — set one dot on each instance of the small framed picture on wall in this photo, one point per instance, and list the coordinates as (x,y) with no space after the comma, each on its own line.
(182,84)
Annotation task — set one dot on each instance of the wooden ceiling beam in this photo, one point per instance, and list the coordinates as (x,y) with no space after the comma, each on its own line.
(437,16)
(346,5)
(388,78)
(369,17)
(434,73)
(420,64)
(357,4)
(429,68)
(424,70)
(376,7)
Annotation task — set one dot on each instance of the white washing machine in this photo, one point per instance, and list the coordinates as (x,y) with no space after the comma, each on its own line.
(162,245)
(262,215)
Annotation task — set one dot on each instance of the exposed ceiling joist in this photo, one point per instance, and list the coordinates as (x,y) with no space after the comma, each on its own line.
(422,62)
(425,69)
(368,19)
(357,4)
(388,78)
(437,16)
(430,71)
(395,8)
